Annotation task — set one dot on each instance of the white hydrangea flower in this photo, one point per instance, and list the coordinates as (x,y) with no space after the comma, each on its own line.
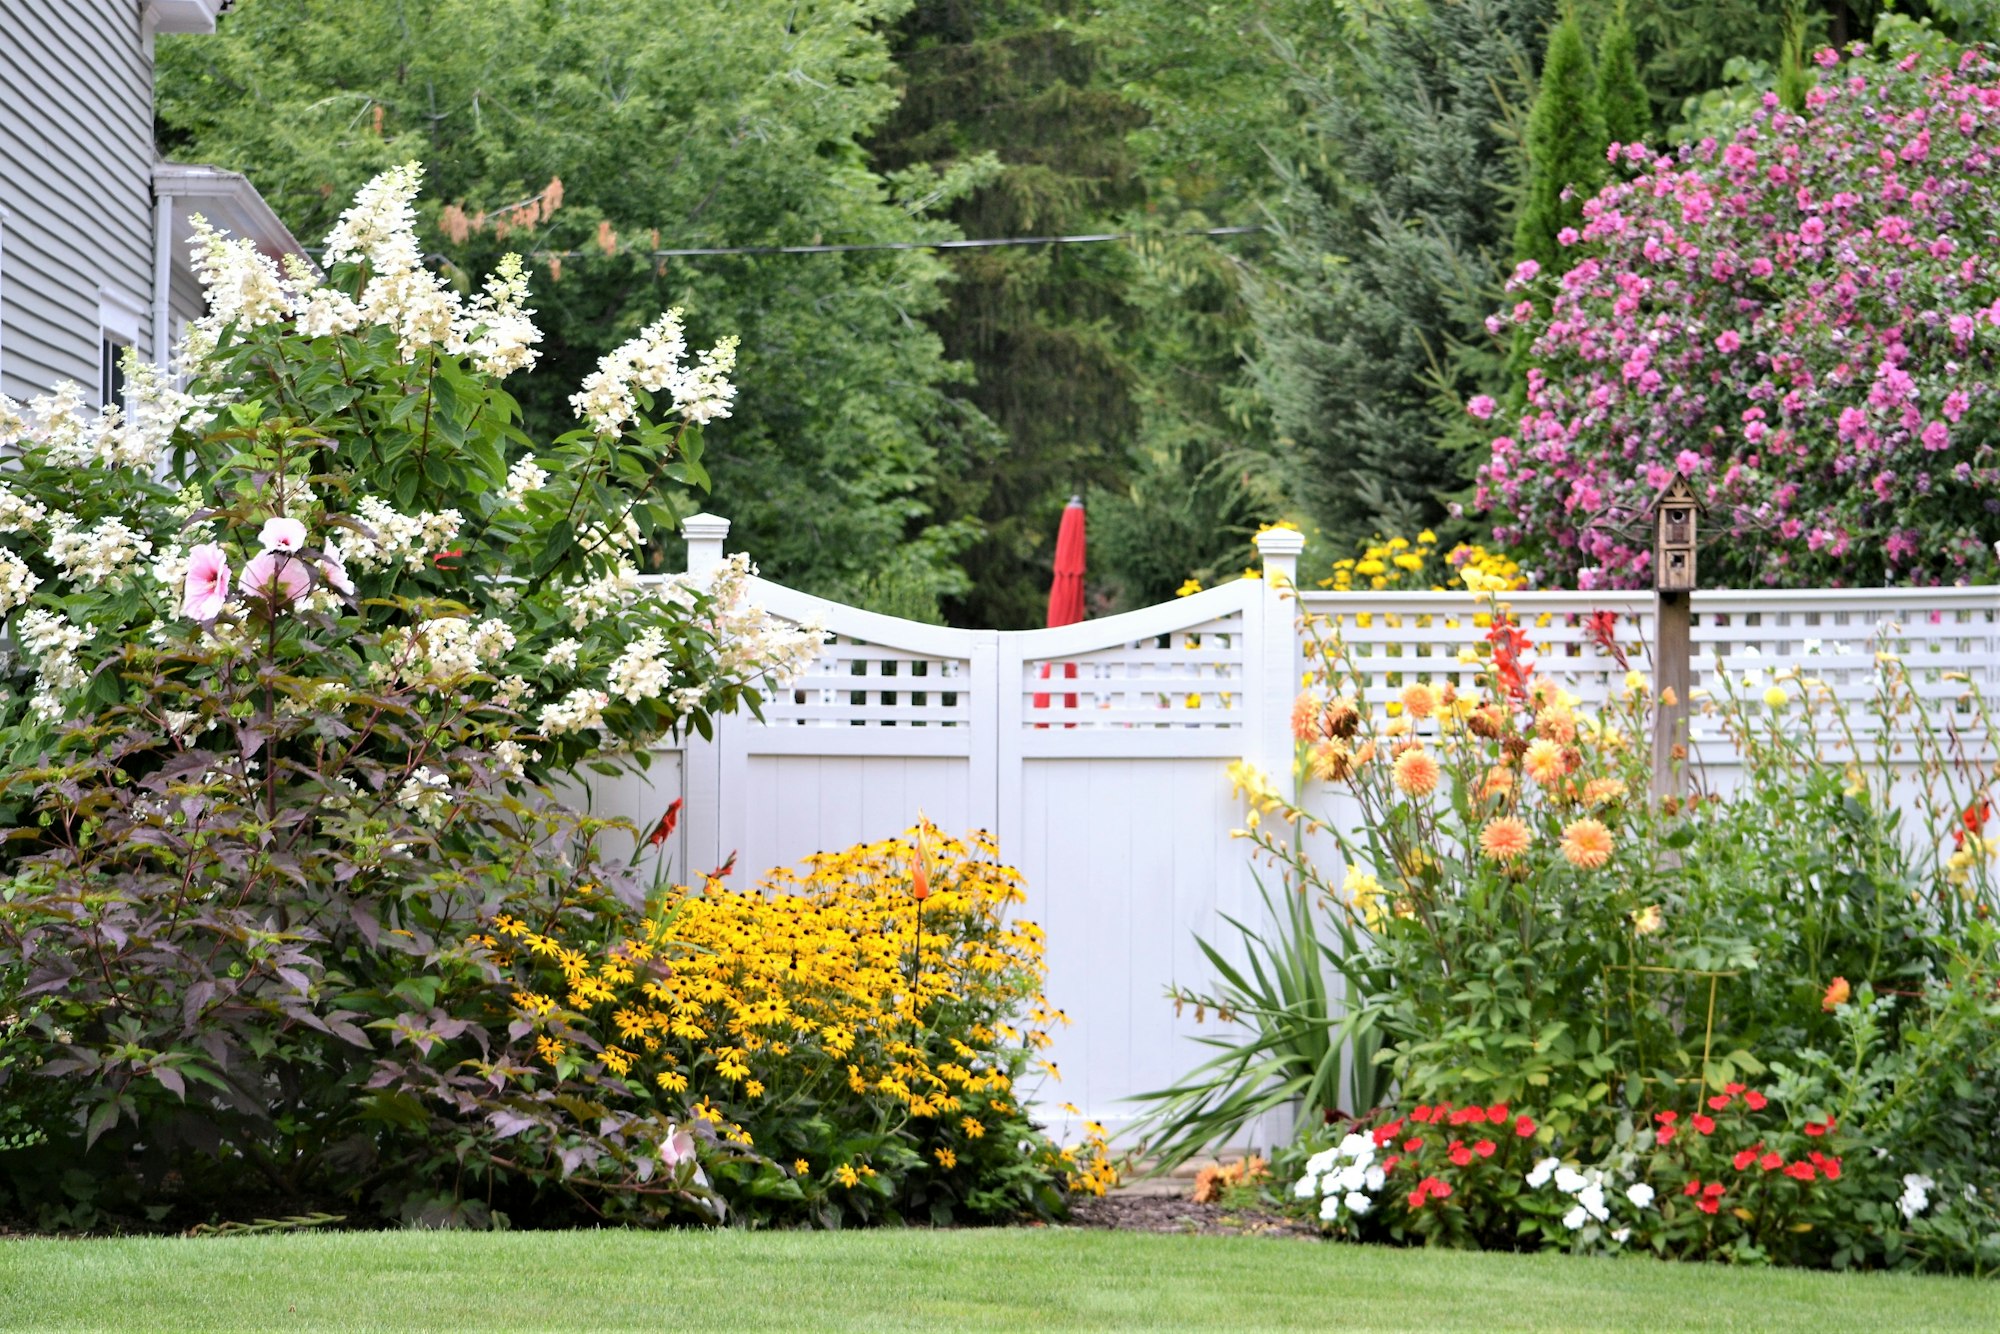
(561,655)
(426,793)
(580,710)
(497,328)
(655,361)
(638,672)
(525,477)
(93,556)
(17,582)
(18,513)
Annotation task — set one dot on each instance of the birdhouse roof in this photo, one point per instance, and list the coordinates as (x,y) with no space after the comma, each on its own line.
(1678,490)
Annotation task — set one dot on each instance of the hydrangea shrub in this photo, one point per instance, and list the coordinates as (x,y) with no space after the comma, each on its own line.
(1802,319)
(296,651)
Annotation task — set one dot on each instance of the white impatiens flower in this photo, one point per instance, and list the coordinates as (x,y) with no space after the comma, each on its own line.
(1329,1209)
(1621,1235)
(1916,1196)
(1569,1182)
(656,361)
(1541,1172)
(1357,1203)
(1307,1188)
(1640,1194)
(1575,1218)
(1591,1200)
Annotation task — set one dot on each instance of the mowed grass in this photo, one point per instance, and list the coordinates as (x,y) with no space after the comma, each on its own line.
(1025,1279)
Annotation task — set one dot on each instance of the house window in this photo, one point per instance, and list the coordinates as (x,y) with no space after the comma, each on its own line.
(111,372)
(119,318)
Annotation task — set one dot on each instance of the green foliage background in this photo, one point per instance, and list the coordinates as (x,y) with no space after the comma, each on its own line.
(912,422)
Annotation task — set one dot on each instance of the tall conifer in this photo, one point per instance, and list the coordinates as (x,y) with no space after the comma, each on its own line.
(1621,97)
(1566,139)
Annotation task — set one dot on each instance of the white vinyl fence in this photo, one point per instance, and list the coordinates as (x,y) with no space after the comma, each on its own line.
(1108,789)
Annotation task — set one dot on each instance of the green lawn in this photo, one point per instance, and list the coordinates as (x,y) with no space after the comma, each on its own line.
(1020,1279)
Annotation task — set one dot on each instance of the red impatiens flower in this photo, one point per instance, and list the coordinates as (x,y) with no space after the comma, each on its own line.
(1422,1115)
(1460,1155)
(1771,1162)
(1799,1171)
(1719,1101)
(1708,1204)
(1469,1116)
(1754,1100)
(1389,1163)
(1693,1188)
(1497,1113)
(1663,1136)
(1412,1145)
(1828,1167)
(1713,1190)
(1818,1128)
(1666,1118)
(1430,1188)
(1704,1124)
(1485,1148)
(1524,1125)
(1732,1088)
(1748,1156)
(1384,1134)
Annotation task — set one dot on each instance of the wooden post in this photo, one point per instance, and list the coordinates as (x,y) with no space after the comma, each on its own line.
(1673,647)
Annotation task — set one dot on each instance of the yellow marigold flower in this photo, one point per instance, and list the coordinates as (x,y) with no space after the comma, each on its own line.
(1427,537)
(946,1158)
(1409,560)
(1544,761)
(1419,701)
(1505,839)
(1416,772)
(1586,844)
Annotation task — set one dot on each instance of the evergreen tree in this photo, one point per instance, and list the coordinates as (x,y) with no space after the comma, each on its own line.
(1566,140)
(1389,252)
(1621,97)
(1042,330)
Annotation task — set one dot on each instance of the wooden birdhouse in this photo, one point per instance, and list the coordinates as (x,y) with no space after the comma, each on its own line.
(1676,518)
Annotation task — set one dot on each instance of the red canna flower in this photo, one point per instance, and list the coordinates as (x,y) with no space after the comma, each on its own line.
(1754,1100)
(1704,1124)
(1524,1125)
(1771,1162)
(1799,1171)
(664,830)
(1485,1148)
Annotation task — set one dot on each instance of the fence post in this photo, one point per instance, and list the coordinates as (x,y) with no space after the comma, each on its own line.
(1271,659)
(701,759)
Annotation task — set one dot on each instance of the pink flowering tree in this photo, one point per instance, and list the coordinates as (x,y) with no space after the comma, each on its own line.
(1803,319)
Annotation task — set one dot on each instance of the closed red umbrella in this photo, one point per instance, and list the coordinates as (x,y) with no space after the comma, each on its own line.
(1066,593)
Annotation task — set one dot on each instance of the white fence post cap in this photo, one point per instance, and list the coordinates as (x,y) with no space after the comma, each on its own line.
(705,534)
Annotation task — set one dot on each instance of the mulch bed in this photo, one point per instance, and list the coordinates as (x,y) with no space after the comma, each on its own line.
(1125,1212)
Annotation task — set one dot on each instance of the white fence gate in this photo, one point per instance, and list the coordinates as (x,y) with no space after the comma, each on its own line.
(1108,789)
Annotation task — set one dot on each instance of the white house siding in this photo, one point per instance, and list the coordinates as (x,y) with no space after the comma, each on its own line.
(76,154)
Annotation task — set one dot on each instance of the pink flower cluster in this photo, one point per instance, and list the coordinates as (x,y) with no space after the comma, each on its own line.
(276,577)
(1803,320)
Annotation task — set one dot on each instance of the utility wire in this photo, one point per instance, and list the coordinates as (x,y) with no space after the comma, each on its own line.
(1087,238)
